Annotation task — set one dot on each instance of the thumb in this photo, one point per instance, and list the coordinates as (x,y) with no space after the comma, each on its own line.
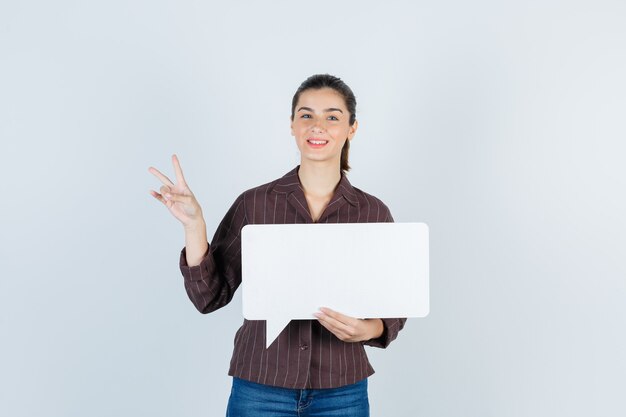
(165,189)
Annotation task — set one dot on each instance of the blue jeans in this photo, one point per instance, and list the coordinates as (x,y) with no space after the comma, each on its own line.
(249,399)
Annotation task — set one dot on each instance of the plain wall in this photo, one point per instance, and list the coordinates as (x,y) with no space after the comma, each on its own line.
(503,120)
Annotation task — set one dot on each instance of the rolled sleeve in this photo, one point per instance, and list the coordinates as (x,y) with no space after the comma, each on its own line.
(211,284)
(206,268)
(391,329)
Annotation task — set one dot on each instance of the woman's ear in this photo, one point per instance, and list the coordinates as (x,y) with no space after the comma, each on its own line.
(352,130)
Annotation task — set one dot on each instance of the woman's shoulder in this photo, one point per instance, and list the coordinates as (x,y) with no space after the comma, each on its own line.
(366,196)
(261,189)
(278,184)
(373,205)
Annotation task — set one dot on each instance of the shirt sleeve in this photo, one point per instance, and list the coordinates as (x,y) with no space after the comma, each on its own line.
(212,284)
(391,329)
(391,326)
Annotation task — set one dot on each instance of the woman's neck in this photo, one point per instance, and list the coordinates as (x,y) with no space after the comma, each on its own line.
(319,180)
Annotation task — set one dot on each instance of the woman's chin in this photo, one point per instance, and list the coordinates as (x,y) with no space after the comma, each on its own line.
(318,159)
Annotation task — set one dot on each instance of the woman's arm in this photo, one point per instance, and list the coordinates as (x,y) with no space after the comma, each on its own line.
(391,329)
(196,243)
(211,283)
(211,273)
(350,329)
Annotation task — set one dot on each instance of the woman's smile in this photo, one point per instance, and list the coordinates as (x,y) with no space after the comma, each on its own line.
(316,143)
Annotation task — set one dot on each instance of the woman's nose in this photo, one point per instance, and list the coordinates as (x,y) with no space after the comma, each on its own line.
(318,126)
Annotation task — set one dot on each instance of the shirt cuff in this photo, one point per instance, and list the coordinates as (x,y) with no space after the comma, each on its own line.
(204,270)
(390,332)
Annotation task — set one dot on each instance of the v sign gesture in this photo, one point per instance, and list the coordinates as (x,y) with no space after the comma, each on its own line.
(181,202)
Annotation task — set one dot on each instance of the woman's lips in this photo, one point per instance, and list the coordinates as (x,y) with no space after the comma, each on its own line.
(316,143)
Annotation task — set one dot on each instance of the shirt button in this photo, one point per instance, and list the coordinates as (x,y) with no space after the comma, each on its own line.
(304,347)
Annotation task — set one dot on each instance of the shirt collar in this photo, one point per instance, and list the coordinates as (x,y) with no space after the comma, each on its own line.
(290,182)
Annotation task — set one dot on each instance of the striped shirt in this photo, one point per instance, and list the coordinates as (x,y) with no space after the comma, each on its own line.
(305,354)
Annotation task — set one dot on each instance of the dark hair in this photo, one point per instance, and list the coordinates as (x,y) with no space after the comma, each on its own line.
(319,81)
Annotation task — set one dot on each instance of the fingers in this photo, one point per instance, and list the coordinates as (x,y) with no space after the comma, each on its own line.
(342,333)
(165,190)
(180,179)
(174,197)
(161,177)
(337,316)
(342,326)
(168,198)
(179,172)
(160,198)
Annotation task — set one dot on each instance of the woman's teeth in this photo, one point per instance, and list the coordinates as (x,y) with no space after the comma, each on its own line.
(317,142)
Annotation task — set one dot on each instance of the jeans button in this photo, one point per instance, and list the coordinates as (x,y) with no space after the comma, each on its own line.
(304,347)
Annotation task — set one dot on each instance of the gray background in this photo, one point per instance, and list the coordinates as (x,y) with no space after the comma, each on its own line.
(500,124)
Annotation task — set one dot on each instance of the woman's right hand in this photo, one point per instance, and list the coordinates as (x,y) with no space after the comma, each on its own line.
(178,198)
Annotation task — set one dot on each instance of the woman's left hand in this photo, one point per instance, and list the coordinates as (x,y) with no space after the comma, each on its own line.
(349,329)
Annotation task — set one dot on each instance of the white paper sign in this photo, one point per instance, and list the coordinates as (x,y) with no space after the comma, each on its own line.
(364,270)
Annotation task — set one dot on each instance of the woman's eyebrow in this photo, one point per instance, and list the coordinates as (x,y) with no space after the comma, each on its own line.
(326,110)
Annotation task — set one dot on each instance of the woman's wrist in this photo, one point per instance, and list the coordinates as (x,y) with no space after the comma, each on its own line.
(196,243)
(377,328)
(196,226)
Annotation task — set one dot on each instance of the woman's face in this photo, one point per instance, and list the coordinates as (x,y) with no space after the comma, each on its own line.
(321,125)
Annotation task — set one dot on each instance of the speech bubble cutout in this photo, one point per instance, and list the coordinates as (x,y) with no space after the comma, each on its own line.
(364,270)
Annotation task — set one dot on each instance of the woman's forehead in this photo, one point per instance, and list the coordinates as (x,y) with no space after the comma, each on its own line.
(320,99)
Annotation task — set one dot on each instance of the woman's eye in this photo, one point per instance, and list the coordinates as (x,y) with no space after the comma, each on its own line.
(308,116)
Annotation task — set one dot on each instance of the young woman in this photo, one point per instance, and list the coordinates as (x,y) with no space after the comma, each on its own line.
(314,367)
